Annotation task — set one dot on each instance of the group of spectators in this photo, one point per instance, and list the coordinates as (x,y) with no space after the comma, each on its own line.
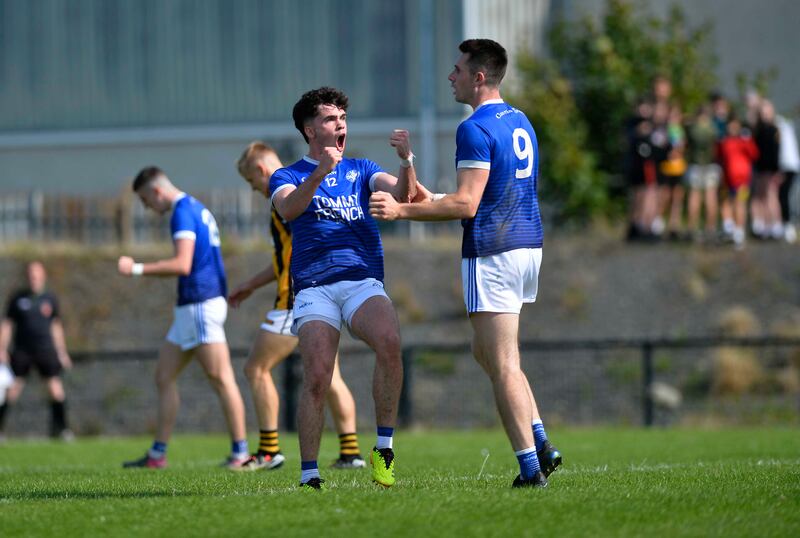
(706,177)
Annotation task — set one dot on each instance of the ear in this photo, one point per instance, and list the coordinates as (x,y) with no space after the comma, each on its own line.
(264,169)
(480,77)
(309,131)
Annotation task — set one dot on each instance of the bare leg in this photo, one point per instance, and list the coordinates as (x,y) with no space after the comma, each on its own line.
(496,349)
(269,350)
(711,209)
(318,344)
(341,402)
(171,360)
(216,361)
(376,323)
(55,389)
(693,211)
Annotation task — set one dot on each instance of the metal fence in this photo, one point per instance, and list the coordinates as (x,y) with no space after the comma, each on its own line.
(697,381)
(101,220)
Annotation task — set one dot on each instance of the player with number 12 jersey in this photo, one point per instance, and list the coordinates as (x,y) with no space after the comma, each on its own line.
(499,138)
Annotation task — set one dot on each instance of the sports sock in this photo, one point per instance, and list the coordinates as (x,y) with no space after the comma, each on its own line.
(539,435)
(58,414)
(3,409)
(268,442)
(384,437)
(239,448)
(528,462)
(158,450)
(348,444)
(308,470)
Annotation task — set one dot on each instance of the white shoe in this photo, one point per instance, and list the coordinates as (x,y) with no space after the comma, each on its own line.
(790,233)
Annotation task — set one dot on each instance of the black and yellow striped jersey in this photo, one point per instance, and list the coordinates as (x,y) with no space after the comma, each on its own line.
(281,257)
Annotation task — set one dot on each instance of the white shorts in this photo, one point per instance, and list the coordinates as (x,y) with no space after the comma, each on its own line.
(335,302)
(501,282)
(704,176)
(199,323)
(278,322)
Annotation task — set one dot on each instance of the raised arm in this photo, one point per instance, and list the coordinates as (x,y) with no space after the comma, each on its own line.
(403,187)
(290,202)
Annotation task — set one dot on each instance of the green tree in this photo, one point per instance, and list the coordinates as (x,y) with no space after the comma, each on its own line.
(582,96)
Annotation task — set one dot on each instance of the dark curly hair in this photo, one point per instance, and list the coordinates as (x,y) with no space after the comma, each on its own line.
(306,108)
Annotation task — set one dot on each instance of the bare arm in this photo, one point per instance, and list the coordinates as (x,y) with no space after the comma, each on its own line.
(246,288)
(5,339)
(57,332)
(403,187)
(462,204)
(178,265)
(290,202)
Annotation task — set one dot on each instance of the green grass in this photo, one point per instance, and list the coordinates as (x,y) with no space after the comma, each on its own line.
(615,482)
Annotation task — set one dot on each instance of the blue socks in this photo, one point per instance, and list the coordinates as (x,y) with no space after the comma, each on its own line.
(308,470)
(539,436)
(239,448)
(528,463)
(384,437)
(158,450)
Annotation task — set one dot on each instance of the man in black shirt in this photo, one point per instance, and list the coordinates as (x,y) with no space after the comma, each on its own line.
(32,324)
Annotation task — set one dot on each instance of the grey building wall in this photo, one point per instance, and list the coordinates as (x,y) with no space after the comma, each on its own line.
(93,90)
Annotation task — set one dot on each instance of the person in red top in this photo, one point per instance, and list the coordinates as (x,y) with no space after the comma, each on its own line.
(737,153)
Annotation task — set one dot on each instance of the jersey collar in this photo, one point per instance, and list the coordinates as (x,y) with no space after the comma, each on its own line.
(490,102)
(178,198)
(310,160)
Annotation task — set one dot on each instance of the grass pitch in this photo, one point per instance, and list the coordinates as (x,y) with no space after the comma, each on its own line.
(615,482)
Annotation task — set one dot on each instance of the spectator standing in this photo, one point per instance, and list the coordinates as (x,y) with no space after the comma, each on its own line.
(789,161)
(704,174)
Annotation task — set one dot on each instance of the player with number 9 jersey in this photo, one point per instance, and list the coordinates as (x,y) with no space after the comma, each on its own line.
(499,138)
(206,280)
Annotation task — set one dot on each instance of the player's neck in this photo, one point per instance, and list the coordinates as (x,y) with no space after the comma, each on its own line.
(485,94)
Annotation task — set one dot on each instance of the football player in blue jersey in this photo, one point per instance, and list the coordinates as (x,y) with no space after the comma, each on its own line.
(275,341)
(497,170)
(337,269)
(198,328)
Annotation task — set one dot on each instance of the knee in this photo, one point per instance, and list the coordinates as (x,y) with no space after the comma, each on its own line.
(388,344)
(254,371)
(317,382)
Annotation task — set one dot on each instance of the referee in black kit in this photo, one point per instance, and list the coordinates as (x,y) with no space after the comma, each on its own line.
(32,324)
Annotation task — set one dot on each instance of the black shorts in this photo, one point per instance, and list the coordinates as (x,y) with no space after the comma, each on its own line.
(45,360)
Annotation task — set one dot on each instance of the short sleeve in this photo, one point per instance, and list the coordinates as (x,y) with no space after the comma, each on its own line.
(183,224)
(56,308)
(473,147)
(11,307)
(281,178)
(370,172)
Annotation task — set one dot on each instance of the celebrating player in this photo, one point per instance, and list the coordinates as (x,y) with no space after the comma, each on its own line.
(337,269)
(275,341)
(198,328)
(497,168)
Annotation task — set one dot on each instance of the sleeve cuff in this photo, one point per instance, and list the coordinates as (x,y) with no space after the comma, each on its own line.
(483,165)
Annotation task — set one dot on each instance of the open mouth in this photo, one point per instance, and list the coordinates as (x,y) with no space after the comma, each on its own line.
(340,142)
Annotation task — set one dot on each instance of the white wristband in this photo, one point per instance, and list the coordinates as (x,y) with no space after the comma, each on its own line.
(438,196)
(409,162)
(137,269)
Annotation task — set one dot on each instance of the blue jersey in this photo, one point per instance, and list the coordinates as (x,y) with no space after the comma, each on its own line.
(499,138)
(190,220)
(335,238)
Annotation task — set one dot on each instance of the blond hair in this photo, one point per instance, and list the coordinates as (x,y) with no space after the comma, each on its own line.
(252,153)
